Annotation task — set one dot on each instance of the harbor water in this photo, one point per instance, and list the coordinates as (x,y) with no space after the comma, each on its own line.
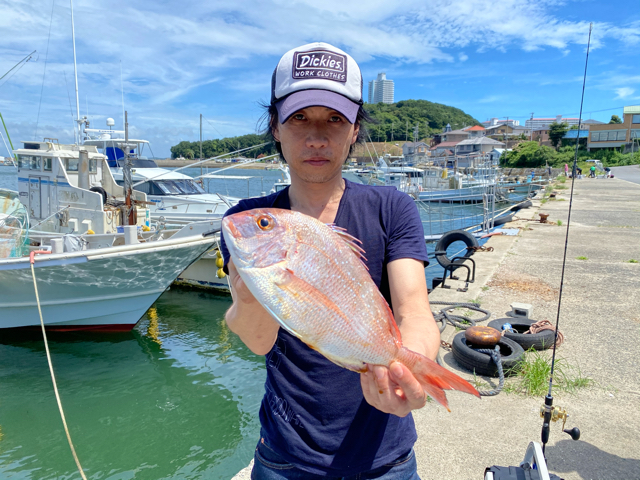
(176,398)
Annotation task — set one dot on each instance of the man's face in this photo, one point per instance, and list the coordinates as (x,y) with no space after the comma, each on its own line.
(315,142)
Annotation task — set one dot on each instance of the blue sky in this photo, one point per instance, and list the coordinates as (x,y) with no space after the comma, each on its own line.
(180,59)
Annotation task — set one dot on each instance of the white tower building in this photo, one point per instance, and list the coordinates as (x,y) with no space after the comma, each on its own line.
(381,89)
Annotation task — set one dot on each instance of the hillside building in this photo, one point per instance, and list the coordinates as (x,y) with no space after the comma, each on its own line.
(492,122)
(537,123)
(381,89)
(615,135)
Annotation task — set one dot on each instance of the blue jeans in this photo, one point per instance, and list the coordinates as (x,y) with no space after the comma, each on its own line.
(268,465)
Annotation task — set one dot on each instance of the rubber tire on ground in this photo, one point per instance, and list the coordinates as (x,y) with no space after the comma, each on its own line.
(482,363)
(102,192)
(522,205)
(502,219)
(539,341)
(450,237)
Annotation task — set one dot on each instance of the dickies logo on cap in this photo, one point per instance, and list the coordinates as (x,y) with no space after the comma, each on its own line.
(320,64)
(317,74)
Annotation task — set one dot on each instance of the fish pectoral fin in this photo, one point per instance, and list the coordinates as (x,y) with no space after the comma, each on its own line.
(280,322)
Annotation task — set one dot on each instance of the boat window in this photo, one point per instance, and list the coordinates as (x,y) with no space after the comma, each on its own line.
(168,187)
(24,161)
(35,163)
(71,164)
(47,163)
(189,187)
(155,189)
(138,163)
(93,165)
(143,187)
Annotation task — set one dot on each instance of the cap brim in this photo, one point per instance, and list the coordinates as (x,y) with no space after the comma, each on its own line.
(316,98)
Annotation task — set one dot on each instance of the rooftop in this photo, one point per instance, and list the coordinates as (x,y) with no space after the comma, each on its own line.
(480,141)
(475,128)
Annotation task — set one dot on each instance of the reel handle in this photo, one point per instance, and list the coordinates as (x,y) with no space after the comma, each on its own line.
(574,433)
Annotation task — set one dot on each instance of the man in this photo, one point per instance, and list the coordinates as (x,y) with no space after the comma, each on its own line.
(320,420)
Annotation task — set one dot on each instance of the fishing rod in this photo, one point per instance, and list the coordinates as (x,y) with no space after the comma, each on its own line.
(25,60)
(548,411)
(534,458)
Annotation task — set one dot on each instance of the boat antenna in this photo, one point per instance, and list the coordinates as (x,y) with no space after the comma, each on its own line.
(122,91)
(548,400)
(75,72)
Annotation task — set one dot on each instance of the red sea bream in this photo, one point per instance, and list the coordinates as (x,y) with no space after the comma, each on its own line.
(310,277)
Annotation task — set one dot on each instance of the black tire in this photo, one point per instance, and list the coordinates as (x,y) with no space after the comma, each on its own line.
(502,219)
(539,341)
(481,363)
(102,192)
(520,206)
(447,239)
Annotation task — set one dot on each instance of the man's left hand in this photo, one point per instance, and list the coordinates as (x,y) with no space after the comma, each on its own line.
(392,390)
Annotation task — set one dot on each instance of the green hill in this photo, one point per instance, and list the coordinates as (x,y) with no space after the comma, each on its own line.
(399,119)
(391,122)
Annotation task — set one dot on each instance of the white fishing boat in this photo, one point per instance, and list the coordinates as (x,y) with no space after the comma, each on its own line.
(101,273)
(174,196)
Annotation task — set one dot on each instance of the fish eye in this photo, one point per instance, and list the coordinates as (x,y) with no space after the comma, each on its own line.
(265,222)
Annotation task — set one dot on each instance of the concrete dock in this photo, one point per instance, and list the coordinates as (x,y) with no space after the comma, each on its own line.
(600,318)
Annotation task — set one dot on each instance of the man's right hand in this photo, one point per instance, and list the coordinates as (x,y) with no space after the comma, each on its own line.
(247,318)
(240,291)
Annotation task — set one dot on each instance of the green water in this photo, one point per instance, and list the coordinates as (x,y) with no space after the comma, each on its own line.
(176,398)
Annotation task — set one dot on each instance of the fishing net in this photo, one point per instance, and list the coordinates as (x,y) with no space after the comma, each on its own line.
(14,225)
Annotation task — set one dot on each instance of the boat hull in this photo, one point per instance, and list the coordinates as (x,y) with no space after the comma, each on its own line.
(105,288)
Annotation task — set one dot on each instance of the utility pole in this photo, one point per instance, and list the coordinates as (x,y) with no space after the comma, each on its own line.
(406,132)
(392,132)
(531,129)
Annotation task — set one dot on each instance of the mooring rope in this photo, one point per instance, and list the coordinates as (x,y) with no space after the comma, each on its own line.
(53,377)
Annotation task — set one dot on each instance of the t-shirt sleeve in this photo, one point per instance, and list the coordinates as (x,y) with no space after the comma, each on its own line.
(406,238)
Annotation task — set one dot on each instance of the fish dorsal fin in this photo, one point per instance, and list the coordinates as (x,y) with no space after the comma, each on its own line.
(351,241)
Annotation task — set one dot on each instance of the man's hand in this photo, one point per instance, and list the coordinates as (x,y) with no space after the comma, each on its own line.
(248,319)
(239,289)
(392,390)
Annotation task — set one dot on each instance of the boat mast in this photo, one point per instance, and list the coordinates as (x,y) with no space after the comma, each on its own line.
(75,72)
(129,218)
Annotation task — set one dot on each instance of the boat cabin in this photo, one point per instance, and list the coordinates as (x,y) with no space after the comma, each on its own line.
(70,189)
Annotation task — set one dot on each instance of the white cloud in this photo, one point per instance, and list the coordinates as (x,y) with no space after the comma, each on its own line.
(624,92)
(174,54)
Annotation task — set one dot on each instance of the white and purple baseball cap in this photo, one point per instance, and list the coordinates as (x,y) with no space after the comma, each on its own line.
(316,74)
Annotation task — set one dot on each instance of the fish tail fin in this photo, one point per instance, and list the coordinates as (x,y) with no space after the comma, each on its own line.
(434,378)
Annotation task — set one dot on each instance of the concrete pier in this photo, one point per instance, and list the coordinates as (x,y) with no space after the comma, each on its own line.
(600,318)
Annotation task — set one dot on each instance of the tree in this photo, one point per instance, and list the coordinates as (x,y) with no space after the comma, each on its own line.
(556,132)
(615,119)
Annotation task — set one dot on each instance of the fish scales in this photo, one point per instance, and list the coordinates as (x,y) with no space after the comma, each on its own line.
(310,278)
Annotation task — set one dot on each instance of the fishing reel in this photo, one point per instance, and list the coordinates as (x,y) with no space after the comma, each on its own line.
(559,413)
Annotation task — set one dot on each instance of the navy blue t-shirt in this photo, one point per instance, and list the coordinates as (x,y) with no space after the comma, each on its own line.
(313,413)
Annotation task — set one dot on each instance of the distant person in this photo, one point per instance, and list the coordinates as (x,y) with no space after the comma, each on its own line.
(566,170)
(579,170)
(533,174)
(607,172)
(592,172)
(549,168)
